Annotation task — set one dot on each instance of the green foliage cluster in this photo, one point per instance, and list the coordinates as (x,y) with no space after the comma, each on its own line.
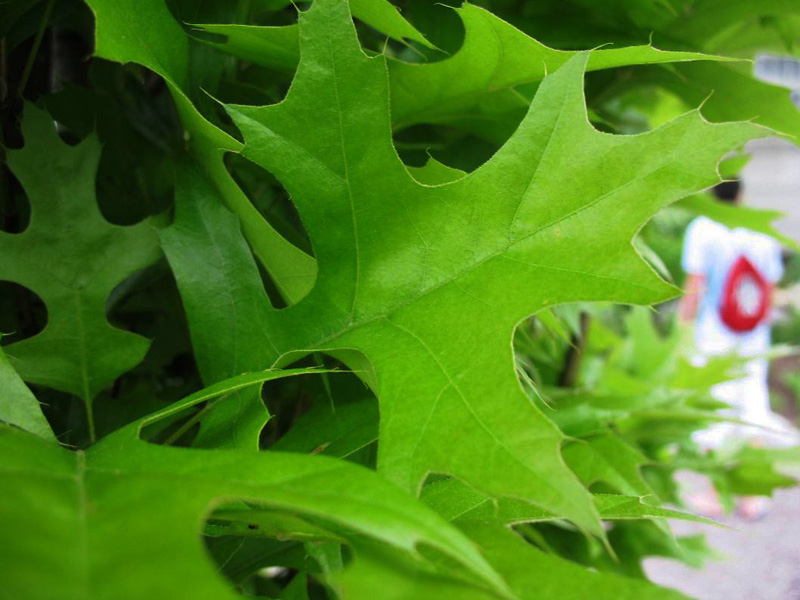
(268,275)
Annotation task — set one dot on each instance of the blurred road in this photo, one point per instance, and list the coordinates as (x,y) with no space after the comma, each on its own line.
(772,181)
(763,558)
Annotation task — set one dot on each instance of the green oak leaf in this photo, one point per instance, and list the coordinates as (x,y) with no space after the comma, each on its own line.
(72,258)
(89,524)
(704,24)
(562,579)
(604,457)
(338,429)
(412,275)
(278,47)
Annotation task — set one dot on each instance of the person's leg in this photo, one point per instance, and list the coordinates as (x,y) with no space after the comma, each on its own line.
(754,401)
(755,410)
(704,499)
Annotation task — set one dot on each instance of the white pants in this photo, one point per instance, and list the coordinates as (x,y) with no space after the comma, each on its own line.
(748,398)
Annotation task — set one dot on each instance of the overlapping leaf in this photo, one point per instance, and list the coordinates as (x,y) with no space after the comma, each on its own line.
(475,88)
(19,406)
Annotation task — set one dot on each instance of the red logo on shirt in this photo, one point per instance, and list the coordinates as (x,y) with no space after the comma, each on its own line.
(746,296)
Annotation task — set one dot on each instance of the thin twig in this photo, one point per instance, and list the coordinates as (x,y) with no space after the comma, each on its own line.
(26,73)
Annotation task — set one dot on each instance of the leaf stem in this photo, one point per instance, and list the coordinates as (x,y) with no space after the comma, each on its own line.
(243,11)
(26,73)
(192,421)
(87,401)
(574,356)
(293,271)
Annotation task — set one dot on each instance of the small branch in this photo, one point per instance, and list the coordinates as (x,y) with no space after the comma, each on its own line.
(572,361)
(192,421)
(26,73)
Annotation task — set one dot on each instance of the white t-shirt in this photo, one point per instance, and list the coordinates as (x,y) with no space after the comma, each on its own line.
(710,249)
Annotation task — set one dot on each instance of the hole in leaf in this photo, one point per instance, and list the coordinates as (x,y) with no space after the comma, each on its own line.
(23,314)
(262,550)
(15,209)
(254,565)
(449,145)
(127,191)
(242,81)
(334,414)
(272,201)
(148,303)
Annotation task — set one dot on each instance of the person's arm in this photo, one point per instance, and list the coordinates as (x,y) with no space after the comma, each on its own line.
(693,261)
(690,302)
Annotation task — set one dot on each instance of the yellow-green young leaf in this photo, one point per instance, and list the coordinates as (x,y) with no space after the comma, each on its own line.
(18,405)
(72,258)
(429,282)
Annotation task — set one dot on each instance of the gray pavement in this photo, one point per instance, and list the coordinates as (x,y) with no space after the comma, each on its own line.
(762,559)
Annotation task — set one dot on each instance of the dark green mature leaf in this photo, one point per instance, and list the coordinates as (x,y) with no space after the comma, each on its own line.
(145,32)
(19,406)
(404,267)
(72,518)
(72,258)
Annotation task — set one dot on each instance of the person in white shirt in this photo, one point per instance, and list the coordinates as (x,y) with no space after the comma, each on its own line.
(730,277)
